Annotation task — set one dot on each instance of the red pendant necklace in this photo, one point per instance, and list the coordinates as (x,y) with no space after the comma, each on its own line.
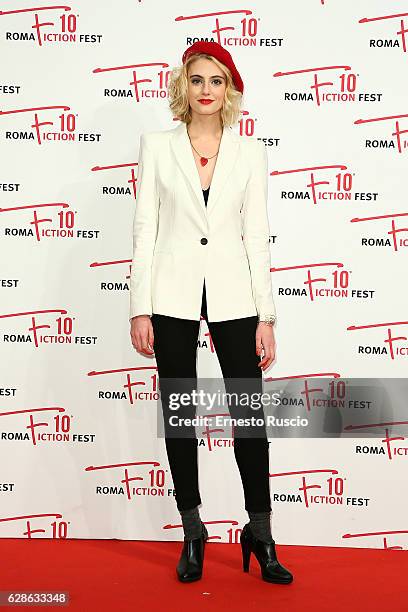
(203,160)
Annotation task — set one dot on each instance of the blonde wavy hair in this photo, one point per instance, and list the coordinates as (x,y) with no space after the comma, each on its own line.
(178,96)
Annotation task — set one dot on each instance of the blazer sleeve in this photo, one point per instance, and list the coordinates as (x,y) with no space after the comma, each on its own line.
(256,231)
(145,223)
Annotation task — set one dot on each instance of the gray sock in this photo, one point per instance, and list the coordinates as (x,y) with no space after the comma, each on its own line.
(260,525)
(192,525)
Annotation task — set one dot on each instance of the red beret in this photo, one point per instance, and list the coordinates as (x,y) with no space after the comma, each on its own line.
(219,52)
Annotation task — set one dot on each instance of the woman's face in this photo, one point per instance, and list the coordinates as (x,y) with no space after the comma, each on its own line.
(206,82)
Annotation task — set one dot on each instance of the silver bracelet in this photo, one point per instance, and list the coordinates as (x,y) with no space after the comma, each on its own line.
(268,319)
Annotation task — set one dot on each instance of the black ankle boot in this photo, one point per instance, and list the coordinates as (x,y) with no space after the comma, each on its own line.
(190,565)
(271,569)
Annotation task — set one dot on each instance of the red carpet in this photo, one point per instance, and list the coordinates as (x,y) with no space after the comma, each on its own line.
(128,575)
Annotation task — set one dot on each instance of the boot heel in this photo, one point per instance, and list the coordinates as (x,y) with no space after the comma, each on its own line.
(246,556)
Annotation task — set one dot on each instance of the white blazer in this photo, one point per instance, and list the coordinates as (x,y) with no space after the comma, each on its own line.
(178,241)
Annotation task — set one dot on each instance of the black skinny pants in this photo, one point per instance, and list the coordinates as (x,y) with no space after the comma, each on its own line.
(175,346)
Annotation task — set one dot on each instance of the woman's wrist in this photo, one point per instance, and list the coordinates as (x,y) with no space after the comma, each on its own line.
(269,319)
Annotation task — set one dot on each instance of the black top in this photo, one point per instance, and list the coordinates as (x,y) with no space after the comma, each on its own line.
(205,194)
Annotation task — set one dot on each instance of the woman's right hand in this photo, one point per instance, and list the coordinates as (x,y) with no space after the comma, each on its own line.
(141,333)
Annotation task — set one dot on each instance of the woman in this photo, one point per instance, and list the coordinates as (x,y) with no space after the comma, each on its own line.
(201,249)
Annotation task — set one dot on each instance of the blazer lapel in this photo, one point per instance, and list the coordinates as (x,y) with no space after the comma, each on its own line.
(227,156)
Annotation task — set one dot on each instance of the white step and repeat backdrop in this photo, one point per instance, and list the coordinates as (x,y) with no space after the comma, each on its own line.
(326,92)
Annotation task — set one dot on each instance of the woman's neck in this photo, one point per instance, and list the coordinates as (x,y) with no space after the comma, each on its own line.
(205,127)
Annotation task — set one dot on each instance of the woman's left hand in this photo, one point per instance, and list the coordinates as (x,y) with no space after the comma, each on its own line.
(265,339)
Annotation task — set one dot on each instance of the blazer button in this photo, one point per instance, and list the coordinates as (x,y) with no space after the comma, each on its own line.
(203,240)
